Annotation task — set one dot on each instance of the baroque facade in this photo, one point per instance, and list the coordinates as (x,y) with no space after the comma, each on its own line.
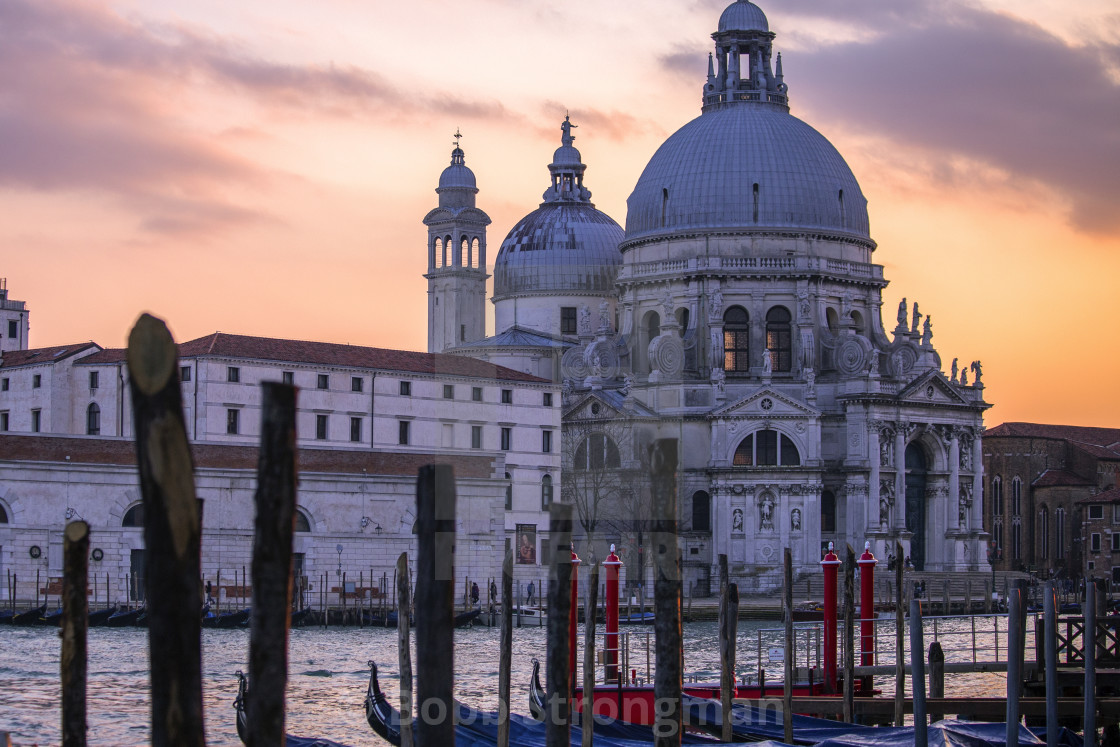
(739,311)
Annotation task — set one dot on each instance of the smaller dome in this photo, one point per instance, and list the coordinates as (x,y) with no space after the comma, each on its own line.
(566,155)
(743,15)
(457,175)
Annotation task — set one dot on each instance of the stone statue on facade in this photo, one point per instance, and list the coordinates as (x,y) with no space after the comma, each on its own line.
(767,362)
(885,449)
(716,360)
(953,371)
(566,128)
(873,369)
(795,520)
(808,349)
(927,332)
(803,303)
(902,313)
(737,520)
(977,372)
(715,304)
(766,513)
(719,378)
(584,321)
(605,324)
(917,319)
(964,377)
(884,512)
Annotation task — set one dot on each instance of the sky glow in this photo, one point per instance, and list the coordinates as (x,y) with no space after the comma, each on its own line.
(263,167)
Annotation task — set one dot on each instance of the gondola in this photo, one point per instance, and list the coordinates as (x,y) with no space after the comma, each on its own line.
(124,618)
(474,727)
(51,619)
(300,617)
(466,619)
(243,721)
(6,616)
(226,619)
(99,618)
(31,617)
(637,618)
(635,702)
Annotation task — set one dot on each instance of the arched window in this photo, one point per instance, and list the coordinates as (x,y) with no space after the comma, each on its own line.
(653,325)
(546,491)
(828,512)
(832,319)
(437,251)
(1044,533)
(3,516)
(134,517)
(701,512)
(997,496)
(465,252)
(93,420)
(767,449)
(1060,533)
(1017,519)
(597,451)
(779,341)
(476,253)
(509,491)
(682,320)
(736,340)
(857,321)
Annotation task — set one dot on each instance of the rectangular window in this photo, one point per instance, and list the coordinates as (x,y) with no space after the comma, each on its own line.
(568,320)
(507,438)
(233,374)
(321,427)
(1116,513)
(184,373)
(406,388)
(1116,541)
(1095,542)
(448,391)
(476,436)
(36,420)
(5,384)
(548,399)
(402,433)
(546,442)
(476,394)
(233,421)
(507,396)
(355,383)
(13,328)
(94,379)
(1096,513)
(36,381)
(3,421)
(324,381)
(355,429)
(288,377)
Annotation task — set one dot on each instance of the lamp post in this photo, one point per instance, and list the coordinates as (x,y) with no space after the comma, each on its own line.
(338,549)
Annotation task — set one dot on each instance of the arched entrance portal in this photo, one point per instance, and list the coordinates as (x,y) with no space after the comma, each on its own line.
(916,504)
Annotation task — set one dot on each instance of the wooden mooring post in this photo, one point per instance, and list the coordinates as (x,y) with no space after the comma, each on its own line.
(787,619)
(917,673)
(899,640)
(1050,653)
(505,652)
(558,686)
(590,604)
(172,534)
(75,618)
(668,725)
(435,605)
(728,629)
(1014,661)
(275,502)
(1089,639)
(936,678)
(404,654)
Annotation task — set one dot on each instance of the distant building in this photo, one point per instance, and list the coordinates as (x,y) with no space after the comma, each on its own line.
(1048,491)
(367,419)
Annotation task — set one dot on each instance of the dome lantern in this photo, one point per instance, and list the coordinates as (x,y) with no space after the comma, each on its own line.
(744,46)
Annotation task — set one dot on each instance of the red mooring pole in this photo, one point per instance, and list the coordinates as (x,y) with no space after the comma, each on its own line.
(831,565)
(612,565)
(866,565)
(573,617)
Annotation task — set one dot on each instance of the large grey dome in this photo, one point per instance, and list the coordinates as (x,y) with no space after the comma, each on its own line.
(746,166)
(565,246)
(561,247)
(743,16)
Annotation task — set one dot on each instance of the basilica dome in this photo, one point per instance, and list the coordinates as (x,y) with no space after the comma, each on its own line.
(564,246)
(743,16)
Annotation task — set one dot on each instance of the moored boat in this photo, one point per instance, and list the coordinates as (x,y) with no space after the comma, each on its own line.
(99,618)
(30,617)
(124,618)
(239,706)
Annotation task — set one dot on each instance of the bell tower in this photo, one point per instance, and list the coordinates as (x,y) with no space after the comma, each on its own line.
(14,324)
(456,259)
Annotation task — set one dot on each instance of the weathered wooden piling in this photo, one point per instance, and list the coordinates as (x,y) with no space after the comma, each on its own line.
(787,618)
(918,674)
(505,650)
(172,534)
(75,618)
(558,685)
(899,641)
(587,722)
(435,603)
(404,654)
(667,590)
(274,525)
(1049,632)
(728,627)
(1089,640)
(849,633)
(936,677)
(1014,661)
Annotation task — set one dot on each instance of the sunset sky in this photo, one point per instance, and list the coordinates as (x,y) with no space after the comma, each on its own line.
(262,167)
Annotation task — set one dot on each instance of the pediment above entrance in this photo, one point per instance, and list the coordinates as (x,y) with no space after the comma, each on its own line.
(766,403)
(605,404)
(933,388)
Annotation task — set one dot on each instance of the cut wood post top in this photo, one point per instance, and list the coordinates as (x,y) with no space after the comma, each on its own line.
(76,531)
(151,355)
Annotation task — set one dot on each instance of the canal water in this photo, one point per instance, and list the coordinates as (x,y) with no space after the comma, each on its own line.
(328,674)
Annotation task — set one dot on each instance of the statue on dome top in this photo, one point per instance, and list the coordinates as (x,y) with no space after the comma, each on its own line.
(566,128)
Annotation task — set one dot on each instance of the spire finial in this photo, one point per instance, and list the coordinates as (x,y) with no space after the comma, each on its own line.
(457,136)
(566,128)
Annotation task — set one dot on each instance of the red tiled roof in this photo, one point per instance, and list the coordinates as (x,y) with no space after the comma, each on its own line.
(122,452)
(1057,477)
(1107,496)
(1103,443)
(333,354)
(41,356)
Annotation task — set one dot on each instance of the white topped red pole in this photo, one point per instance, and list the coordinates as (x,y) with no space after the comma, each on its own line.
(866,565)
(573,617)
(612,565)
(831,565)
